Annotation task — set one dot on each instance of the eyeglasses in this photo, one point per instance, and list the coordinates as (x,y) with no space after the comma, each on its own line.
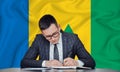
(54,35)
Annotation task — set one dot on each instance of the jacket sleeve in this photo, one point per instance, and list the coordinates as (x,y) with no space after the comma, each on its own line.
(82,54)
(29,60)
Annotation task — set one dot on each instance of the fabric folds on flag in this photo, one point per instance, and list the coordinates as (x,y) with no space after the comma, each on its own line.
(73,13)
(13,32)
(97,23)
(105,33)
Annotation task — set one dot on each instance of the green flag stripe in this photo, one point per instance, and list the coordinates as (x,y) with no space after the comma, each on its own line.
(105,33)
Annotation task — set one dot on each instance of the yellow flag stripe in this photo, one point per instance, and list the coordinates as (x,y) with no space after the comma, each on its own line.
(76,13)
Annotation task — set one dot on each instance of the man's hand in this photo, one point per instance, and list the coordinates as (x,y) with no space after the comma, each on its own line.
(70,62)
(51,63)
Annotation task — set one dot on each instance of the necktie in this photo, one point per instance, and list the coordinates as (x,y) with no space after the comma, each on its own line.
(56,53)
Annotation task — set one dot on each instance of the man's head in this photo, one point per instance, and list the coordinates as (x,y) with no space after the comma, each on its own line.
(49,28)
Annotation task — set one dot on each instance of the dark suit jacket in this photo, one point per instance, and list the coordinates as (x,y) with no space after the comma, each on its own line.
(71,43)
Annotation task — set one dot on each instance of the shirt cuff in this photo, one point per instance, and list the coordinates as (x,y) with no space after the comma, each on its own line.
(80,63)
(43,63)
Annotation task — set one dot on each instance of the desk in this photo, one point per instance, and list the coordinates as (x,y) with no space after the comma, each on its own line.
(55,70)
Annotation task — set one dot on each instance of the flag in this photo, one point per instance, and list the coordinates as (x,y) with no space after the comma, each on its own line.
(97,24)
(13,32)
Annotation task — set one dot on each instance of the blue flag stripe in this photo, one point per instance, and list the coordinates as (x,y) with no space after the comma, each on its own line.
(13,32)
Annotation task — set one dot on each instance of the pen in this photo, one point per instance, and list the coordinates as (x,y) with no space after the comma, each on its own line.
(70,54)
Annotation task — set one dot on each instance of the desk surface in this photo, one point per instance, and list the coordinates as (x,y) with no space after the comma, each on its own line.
(54,70)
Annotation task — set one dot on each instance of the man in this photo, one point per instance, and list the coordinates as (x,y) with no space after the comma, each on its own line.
(56,48)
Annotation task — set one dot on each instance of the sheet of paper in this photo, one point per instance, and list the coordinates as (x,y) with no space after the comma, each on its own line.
(69,67)
(64,67)
(43,68)
(56,67)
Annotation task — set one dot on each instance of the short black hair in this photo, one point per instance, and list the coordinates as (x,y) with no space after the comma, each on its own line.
(46,21)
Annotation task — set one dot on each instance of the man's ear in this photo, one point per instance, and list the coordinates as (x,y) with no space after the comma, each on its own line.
(42,32)
(59,27)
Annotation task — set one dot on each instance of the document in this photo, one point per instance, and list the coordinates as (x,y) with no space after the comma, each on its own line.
(57,67)
(35,69)
(69,67)
(63,67)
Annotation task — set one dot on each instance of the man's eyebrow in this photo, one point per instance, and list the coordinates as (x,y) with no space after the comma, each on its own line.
(51,34)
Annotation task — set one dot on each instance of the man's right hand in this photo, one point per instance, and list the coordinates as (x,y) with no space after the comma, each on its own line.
(51,63)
